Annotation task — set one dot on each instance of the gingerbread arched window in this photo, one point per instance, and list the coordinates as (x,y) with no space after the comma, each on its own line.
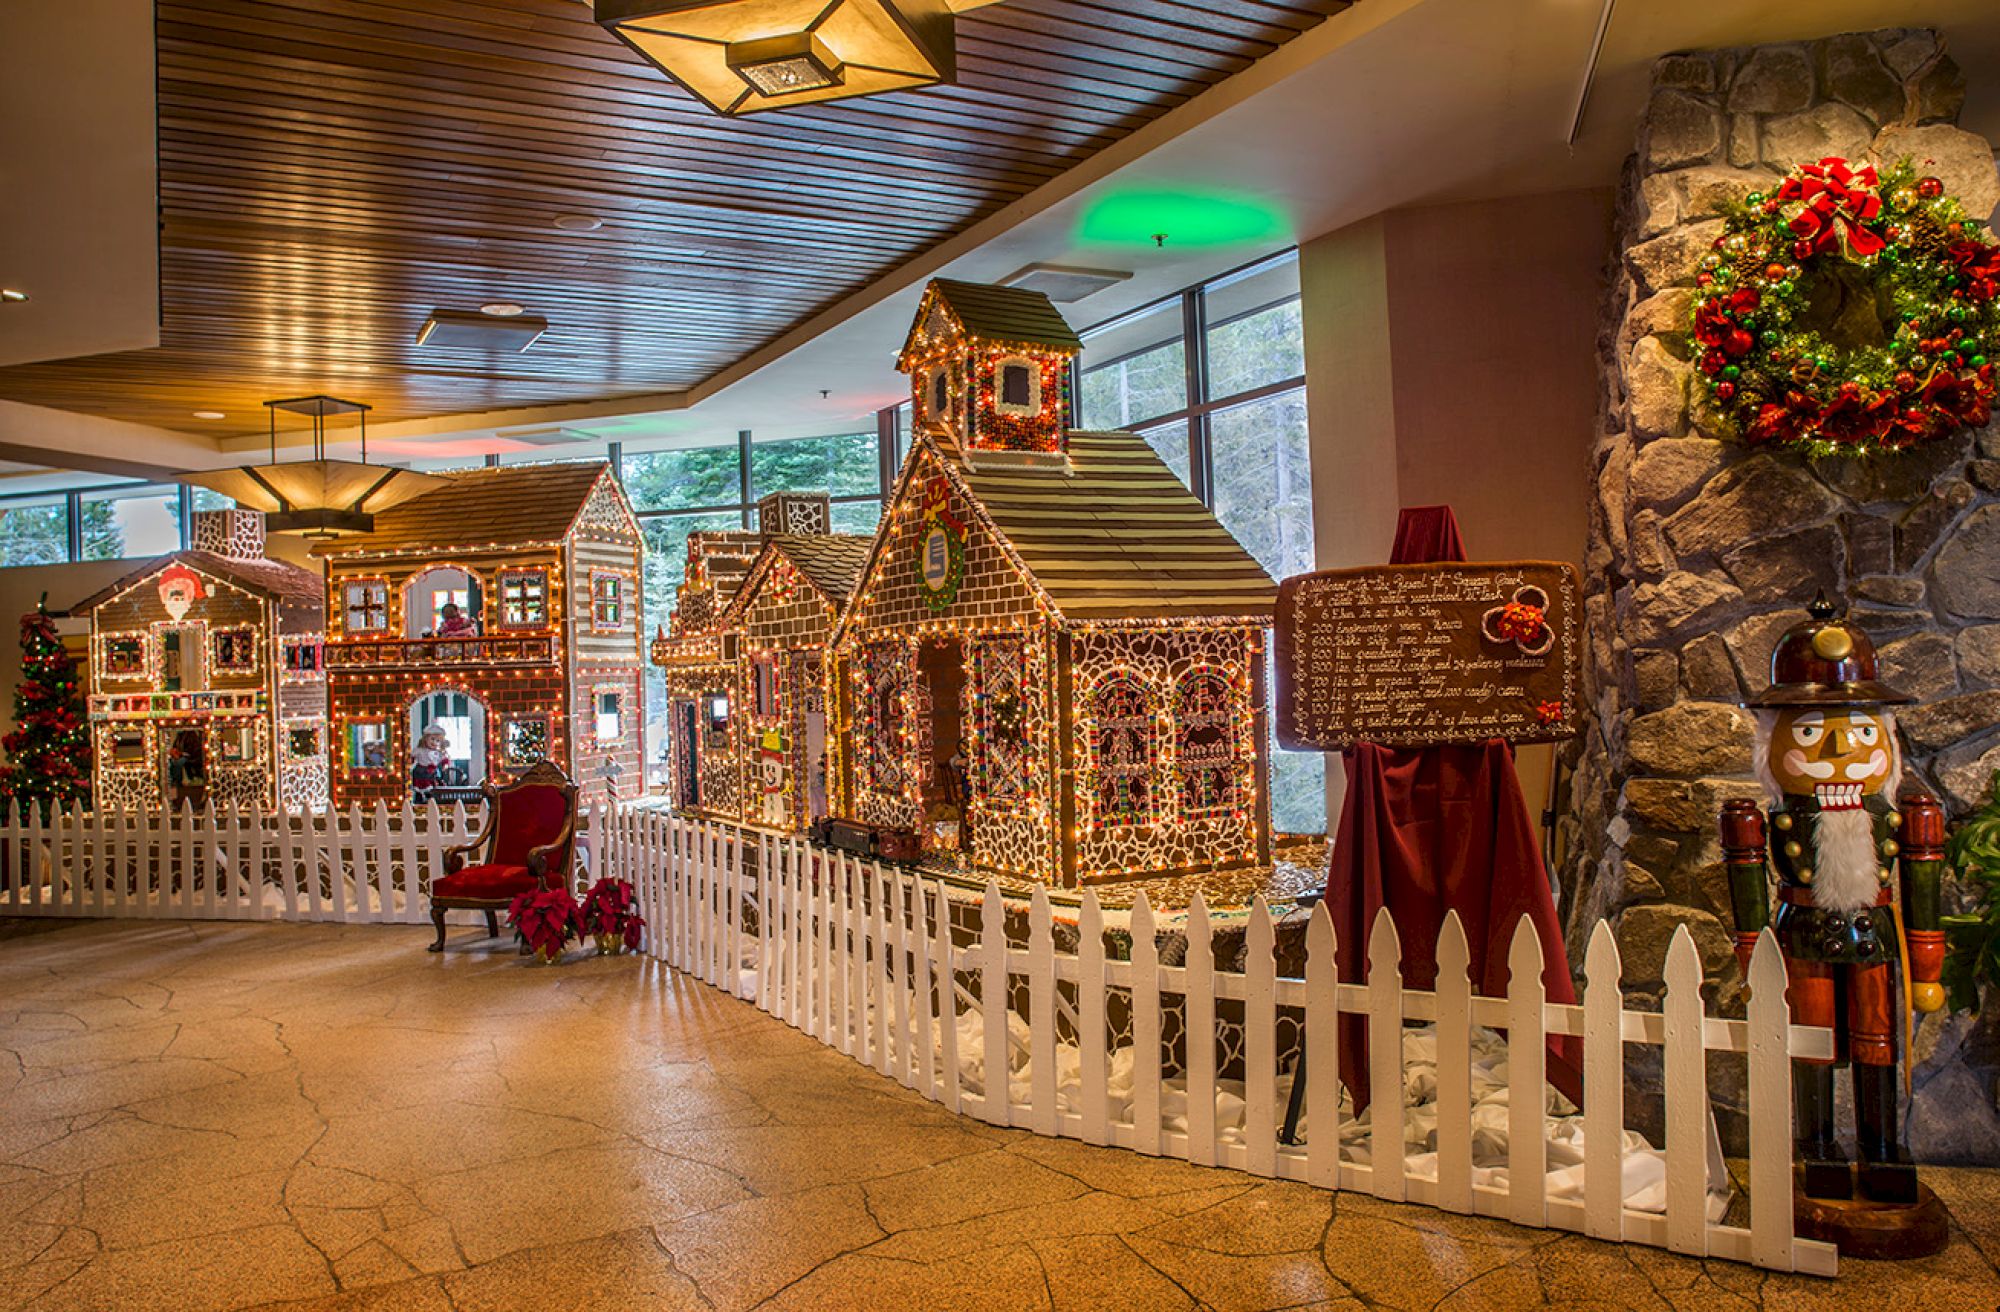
(1124,745)
(1206,746)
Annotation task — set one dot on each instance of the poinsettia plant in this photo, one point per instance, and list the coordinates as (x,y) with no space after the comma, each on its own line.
(611,913)
(546,921)
(1973,936)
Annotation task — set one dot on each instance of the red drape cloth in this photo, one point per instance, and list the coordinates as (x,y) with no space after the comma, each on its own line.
(1427,831)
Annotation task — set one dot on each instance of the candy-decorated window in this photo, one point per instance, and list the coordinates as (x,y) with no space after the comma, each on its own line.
(524,742)
(235,650)
(1122,737)
(124,655)
(524,598)
(1206,712)
(366,744)
(302,655)
(881,728)
(1017,388)
(609,705)
(365,604)
(1001,672)
(607,601)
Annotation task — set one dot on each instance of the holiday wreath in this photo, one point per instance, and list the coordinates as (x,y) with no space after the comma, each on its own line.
(1844,311)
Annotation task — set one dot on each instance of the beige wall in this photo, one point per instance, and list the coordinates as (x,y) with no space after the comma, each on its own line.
(1451,358)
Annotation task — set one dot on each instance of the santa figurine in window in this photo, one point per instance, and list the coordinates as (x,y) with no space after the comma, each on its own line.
(1856,907)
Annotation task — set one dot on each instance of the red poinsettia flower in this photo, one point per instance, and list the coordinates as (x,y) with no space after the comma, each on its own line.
(1854,416)
(1782,423)
(1961,400)
(1978,264)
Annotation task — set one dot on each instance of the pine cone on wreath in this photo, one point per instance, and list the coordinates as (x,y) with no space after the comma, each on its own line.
(1926,235)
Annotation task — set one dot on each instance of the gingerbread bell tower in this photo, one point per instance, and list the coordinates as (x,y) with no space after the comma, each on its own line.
(989,367)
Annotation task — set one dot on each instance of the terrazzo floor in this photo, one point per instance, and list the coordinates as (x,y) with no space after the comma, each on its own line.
(325,1117)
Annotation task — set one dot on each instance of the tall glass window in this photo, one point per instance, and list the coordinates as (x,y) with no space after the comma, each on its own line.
(34,530)
(130,521)
(1214,380)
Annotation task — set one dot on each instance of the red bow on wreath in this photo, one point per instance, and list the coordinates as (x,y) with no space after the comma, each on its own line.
(1854,417)
(1967,400)
(1979,265)
(1782,423)
(1837,200)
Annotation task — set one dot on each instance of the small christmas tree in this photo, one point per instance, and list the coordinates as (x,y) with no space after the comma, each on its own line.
(49,751)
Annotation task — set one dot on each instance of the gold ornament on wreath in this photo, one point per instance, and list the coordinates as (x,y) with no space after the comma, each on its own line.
(1849,311)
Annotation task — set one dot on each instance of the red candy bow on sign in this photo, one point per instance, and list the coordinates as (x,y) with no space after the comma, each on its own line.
(1836,199)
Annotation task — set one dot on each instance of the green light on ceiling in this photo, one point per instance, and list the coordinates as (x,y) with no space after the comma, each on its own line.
(1184,218)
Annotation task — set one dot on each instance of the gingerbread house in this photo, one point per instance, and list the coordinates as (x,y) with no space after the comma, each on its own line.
(1053,663)
(207,676)
(747,726)
(502,608)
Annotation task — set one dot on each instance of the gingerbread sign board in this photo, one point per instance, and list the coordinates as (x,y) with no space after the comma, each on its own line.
(1422,655)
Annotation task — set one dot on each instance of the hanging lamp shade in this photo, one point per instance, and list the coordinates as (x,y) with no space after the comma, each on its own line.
(319,497)
(743,56)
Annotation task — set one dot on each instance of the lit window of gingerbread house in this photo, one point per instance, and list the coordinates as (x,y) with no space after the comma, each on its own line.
(495,610)
(747,724)
(207,679)
(1053,662)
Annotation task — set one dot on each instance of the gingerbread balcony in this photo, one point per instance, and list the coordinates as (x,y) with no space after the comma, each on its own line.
(403,653)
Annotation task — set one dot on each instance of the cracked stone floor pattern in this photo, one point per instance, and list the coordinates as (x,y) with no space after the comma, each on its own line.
(325,1117)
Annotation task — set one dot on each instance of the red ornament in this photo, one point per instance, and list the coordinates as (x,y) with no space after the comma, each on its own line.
(1724,390)
(1802,249)
(1930,188)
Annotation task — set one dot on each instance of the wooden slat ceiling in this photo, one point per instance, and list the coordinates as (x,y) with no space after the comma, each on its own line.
(333,170)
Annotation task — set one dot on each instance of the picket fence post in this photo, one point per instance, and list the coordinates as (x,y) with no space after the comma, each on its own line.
(1604,1088)
(1385,1059)
(1687,1099)
(1145,1029)
(1454,1066)
(1198,999)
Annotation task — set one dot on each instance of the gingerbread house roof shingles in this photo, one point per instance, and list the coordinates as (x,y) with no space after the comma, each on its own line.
(270,578)
(996,314)
(831,562)
(506,506)
(1109,533)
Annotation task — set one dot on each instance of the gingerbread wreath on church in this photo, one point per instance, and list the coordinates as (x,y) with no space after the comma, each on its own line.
(1849,310)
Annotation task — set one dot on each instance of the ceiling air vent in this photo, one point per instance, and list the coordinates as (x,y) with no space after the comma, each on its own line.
(469,330)
(555,436)
(1063,284)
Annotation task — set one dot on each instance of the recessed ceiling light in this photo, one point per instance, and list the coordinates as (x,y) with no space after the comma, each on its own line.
(579,222)
(209,414)
(11,294)
(500,309)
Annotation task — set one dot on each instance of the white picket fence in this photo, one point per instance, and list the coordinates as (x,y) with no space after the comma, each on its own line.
(358,864)
(864,958)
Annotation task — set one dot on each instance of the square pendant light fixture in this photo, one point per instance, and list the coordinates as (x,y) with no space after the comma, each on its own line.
(744,56)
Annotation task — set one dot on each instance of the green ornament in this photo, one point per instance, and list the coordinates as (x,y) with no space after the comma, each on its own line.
(1731,372)
(1976,361)
(1783,288)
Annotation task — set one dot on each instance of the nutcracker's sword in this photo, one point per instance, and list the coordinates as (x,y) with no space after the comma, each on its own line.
(1909,1026)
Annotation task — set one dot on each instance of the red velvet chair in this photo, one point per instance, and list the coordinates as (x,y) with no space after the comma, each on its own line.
(528,844)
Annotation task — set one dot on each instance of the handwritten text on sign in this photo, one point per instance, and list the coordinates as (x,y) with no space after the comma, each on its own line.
(1419,655)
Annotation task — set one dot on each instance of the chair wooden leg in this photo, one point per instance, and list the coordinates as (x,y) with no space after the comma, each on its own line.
(437,918)
(492,924)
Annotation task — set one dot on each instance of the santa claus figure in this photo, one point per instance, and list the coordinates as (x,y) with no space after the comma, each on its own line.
(1856,906)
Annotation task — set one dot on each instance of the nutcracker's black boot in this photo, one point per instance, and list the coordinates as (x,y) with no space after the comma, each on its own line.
(1819,1154)
(1887,1174)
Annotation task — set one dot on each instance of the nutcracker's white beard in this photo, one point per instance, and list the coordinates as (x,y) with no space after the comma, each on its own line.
(1844,861)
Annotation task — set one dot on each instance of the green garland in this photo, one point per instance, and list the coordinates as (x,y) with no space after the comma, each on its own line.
(1898,265)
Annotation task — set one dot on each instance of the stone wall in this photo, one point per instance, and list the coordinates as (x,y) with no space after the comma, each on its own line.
(1701,551)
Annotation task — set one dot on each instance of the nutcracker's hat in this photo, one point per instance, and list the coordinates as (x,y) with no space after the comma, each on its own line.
(1825,661)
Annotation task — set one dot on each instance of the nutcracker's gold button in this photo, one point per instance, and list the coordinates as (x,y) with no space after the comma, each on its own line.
(1784,821)
(1805,874)
(1792,848)
(1889,847)
(1883,874)
(1895,819)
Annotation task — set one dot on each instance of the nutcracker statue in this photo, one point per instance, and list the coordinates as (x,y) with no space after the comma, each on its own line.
(1857,892)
